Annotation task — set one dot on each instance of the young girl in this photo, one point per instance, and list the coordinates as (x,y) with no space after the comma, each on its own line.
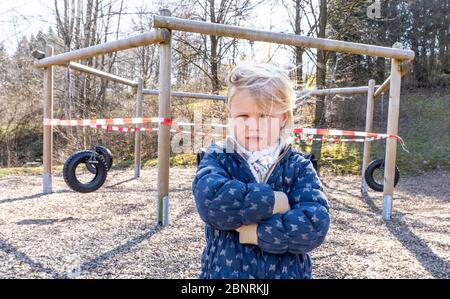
(261,200)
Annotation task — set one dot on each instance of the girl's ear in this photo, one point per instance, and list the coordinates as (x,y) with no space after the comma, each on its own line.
(227,110)
(283,120)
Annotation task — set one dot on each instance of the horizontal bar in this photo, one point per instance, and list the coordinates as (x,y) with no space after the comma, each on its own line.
(329,91)
(384,87)
(101,74)
(150,37)
(314,92)
(406,67)
(192,95)
(279,38)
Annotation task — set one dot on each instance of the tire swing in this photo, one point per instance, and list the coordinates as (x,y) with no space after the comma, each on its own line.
(85,158)
(107,155)
(201,152)
(374,175)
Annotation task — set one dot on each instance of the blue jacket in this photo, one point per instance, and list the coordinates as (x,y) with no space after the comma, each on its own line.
(228,196)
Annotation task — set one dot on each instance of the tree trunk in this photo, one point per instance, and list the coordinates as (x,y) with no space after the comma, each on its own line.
(321,65)
(298,50)
(444,52)
(320,81)
(214,45)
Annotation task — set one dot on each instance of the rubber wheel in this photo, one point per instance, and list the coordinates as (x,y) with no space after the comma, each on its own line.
(107,155)
(370,177)
(86,157)
(200,155)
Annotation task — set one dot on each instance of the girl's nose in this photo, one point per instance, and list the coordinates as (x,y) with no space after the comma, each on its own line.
(252,123)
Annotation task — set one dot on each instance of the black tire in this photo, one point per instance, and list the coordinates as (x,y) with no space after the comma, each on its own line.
(107,155)
(71,164)
(200,155)
(369,175)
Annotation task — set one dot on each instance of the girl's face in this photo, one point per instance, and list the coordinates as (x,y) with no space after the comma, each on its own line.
(252,127)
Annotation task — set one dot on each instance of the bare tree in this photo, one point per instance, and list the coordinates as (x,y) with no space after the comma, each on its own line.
(209,52)
(65,25)
(295,14)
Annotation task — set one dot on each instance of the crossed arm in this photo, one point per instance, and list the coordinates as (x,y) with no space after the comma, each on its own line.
(277,222)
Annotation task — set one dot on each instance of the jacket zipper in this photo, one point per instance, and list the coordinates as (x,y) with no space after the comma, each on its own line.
(269,173)
(274,164)
(286,148)
(266,179)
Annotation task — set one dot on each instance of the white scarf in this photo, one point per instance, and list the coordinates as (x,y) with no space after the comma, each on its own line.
(261,161)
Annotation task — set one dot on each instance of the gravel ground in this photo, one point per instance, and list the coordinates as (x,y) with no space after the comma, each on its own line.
(112,234)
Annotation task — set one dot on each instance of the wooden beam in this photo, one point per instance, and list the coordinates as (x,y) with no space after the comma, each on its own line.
(137,135)
(369,128)
(165,66)
(405,68)
(391,143)
(147,38)
(330,91)
(48,129)
(191,95)
(101,74)
(279,38)
(314,92)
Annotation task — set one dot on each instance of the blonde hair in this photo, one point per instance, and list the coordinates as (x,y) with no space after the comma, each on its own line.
(269,85)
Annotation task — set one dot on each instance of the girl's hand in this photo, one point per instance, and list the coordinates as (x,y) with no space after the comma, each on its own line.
(247,234)
(281,205)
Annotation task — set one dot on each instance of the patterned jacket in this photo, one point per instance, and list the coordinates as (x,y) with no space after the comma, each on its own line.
(227,196)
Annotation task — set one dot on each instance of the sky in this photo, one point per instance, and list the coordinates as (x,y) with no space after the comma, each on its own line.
(25,17)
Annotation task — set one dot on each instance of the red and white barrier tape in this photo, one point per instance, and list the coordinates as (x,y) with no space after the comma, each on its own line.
(131,130)
(123,129)
(105,121)
(313,131)
(118,121)
(193,124)
(108,122)
(309,138)
(325,139)
(142,120)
